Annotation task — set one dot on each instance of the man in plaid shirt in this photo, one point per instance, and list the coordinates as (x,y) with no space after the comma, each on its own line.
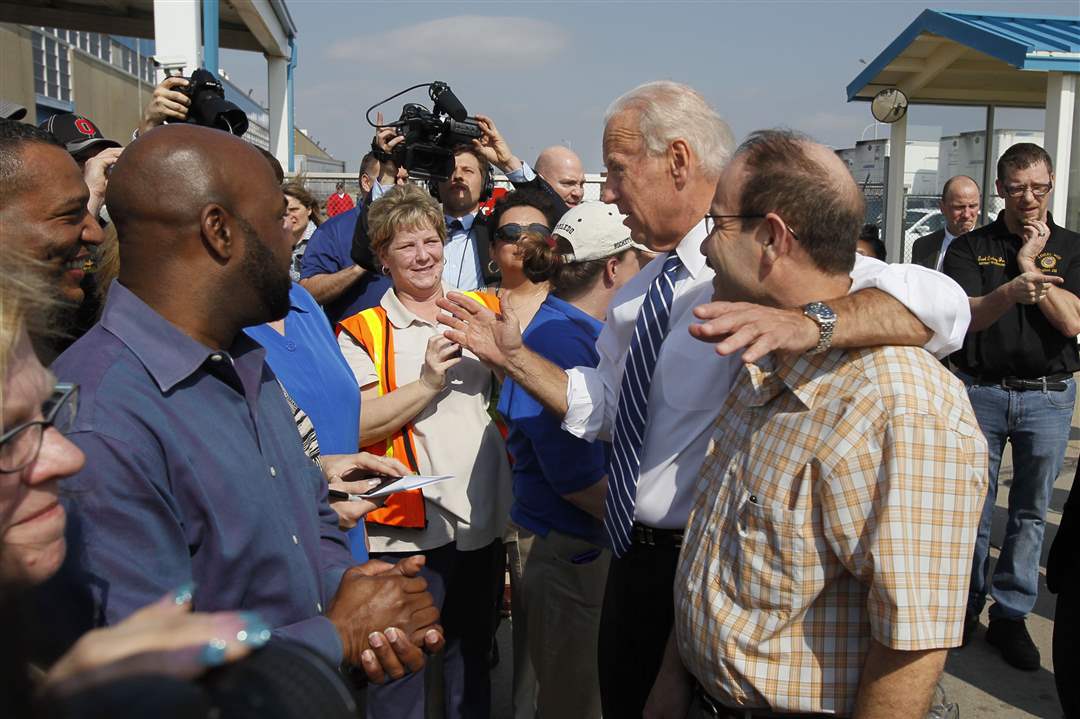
(825,565)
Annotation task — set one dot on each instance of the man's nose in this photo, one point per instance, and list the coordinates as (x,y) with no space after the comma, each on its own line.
(92,233)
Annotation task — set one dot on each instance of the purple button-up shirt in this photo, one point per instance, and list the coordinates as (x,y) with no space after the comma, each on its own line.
(195,471)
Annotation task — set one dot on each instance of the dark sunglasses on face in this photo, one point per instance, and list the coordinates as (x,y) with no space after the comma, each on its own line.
(512,232)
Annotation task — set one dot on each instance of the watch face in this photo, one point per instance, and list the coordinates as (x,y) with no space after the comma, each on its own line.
(822,310)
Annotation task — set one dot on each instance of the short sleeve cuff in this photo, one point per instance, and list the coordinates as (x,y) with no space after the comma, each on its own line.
(582,418)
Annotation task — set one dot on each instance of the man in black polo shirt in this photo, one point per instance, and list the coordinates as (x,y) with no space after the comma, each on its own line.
(1022,275)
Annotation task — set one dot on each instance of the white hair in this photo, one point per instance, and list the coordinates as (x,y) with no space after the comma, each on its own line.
(670,110)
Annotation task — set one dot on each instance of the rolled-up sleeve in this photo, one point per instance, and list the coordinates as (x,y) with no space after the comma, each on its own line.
(935,299)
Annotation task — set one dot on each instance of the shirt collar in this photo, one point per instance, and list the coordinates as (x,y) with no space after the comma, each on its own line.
(169,355)
(802,375)
(399,315)
(689,249)
(294,303)
(949,237)
(466,221)
(574,314)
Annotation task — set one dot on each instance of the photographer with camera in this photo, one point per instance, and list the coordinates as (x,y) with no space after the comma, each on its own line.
(199,99)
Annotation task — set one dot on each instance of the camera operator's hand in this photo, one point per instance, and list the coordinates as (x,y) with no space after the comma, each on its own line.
(96,177)
(166,104)
(346,472)
(365,605)
(493,147)
(386,138)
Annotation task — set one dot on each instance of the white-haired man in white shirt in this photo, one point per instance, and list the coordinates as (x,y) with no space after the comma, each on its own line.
(664,149)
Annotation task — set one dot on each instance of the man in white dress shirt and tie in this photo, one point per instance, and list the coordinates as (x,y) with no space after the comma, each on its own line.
(960,203)
(658,388)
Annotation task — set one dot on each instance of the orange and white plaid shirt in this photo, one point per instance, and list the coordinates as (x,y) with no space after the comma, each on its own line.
(839,501)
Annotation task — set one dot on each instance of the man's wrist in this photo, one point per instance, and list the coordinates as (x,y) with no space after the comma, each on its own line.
(513,164)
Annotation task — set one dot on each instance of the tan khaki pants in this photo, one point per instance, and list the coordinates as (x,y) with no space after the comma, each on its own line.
(561,602)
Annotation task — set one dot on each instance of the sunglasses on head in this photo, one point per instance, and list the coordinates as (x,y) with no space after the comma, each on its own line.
(512,232)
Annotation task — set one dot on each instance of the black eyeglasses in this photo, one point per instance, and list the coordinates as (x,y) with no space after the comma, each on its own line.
(512,232)
(20,446)
(1039,190)
(710,220)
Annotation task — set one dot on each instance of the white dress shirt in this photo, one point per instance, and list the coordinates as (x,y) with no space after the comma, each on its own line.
(691,381)
(461,262)
(945,242)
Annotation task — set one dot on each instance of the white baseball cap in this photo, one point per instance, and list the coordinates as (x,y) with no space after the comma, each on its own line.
(595,231)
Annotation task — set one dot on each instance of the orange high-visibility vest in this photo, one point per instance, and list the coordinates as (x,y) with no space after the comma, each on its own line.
(371,329)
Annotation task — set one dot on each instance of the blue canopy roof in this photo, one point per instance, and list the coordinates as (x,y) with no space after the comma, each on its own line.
(1018,42)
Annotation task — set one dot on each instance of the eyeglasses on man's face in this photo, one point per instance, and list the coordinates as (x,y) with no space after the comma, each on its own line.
(1037,189)
(711,220)
(20,446)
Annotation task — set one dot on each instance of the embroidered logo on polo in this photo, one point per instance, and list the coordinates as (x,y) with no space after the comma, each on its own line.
(991,260)
(1048,261)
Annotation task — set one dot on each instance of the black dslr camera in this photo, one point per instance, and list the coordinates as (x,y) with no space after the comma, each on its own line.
(431,135)
(209,107)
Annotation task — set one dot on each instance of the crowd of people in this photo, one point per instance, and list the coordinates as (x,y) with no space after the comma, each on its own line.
(733,463)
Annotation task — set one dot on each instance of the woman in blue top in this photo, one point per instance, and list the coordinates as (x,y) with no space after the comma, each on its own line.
(304,354)
(559,485)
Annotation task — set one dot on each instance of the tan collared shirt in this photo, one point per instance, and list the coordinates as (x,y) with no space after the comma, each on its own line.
(453,435)
(839,501)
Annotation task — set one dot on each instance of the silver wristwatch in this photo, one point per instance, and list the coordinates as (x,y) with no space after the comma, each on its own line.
(826,321)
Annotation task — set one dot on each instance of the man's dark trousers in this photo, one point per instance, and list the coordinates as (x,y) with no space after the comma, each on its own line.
(638,615)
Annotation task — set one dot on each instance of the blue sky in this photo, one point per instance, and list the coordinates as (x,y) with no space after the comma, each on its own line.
(547,71)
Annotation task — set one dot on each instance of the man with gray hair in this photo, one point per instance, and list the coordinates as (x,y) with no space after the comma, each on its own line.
(658,390)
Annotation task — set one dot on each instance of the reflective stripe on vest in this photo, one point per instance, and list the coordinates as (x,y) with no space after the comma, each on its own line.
(371,329)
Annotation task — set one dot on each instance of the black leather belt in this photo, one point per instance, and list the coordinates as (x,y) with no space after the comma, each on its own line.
(1049,383)
(712,708)
(653,537)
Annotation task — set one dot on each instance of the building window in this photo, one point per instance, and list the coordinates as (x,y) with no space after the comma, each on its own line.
(52,71)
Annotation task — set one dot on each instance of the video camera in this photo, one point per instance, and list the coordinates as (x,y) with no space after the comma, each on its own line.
(209,107)
(431,135)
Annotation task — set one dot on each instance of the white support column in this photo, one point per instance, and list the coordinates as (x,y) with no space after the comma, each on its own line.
(278,89)
(894,203)
(1060,105)
(178,34)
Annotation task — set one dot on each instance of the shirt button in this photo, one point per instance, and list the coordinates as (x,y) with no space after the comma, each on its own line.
(295,539)
(318,607)
(273,471)
(290,346)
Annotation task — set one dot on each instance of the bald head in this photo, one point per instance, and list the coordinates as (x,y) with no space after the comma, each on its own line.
(810,188)
(166,176)
(199,214)
(960,204)
(561,168)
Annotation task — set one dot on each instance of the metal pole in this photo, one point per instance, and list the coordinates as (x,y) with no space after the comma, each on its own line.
(291,117)
(210,35)
(988,172)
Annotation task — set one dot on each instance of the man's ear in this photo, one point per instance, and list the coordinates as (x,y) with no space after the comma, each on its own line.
(214,224)
(679,158)
(1000,188)
(365,183)
(776,241)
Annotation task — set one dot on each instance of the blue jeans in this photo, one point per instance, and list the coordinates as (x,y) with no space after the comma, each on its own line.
(1037,424)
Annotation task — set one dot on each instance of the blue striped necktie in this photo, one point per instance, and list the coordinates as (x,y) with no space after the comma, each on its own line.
(633,412)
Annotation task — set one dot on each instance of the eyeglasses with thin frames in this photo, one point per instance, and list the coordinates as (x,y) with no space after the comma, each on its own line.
(1037,190)
(21,445)
(710,222)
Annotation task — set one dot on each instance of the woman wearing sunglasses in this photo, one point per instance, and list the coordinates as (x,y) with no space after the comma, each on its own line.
(517,214)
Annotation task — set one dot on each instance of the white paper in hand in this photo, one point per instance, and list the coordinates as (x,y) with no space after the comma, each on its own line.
(415,481)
